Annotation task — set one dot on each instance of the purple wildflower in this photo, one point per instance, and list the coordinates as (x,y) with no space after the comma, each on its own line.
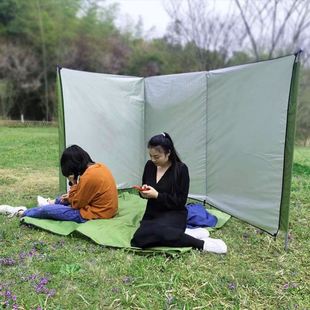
(232,286)
(286,286)
(8,294)
(7,261)
(127,280)
(43,281)
(32,277)
(115,290)
(245,235)
(41,287)
(22,255)
(58,244)
(51,292)
(32,252)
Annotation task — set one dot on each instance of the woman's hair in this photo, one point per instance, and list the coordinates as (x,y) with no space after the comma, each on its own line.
(165,142)
(74,160)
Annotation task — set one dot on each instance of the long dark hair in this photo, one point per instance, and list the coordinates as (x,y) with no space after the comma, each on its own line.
(74,160)
(164,140)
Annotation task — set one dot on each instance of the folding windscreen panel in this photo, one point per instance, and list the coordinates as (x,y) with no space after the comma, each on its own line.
(246,129)
(104,114)
(177,104)
(230,127)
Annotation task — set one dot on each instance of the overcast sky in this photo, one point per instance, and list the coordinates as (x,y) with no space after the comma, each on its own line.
(152,13)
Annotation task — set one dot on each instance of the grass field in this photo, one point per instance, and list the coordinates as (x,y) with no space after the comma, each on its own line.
(40,270)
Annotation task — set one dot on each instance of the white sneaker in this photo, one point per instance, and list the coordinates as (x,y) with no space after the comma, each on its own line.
(42,201)
(11,211)
(198,233)
(215,246)
(5,209)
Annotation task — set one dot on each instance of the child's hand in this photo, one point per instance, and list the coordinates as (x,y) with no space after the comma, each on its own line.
(64,198)
(72,179)
(150,193)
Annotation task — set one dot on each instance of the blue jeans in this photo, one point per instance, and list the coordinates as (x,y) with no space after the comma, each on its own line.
(58,211)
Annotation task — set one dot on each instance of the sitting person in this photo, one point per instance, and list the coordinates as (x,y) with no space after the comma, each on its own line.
(92,195)
(166,184)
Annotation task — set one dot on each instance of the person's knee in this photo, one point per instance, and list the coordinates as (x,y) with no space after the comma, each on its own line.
(136,240)
(143,237)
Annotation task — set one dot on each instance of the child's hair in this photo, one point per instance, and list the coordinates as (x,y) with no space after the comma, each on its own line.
(164,140)
(74,160)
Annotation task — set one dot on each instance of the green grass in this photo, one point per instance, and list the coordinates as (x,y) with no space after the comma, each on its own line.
(55,272)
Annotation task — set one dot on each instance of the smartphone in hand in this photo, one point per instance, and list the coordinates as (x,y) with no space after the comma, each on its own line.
(140,188)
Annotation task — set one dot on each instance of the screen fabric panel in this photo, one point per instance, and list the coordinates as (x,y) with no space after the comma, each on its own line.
(177,104)
(104,114)
(246,130)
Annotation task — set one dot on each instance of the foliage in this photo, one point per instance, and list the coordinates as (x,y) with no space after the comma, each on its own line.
(303,113)
(55,33)
(20,70)
(40,270)
(38,35)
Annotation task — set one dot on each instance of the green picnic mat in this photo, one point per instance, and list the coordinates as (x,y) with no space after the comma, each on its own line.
(118,231)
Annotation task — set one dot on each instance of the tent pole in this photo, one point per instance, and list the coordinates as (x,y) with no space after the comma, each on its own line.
(289,149)
(61,128)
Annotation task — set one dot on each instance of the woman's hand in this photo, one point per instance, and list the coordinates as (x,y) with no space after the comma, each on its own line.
(150,193)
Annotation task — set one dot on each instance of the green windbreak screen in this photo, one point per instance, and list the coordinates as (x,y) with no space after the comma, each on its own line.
(228,125)
(246,132)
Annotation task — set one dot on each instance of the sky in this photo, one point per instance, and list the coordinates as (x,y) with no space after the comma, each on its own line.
(152,13)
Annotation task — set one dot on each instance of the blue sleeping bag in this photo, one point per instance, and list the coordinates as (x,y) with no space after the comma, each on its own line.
(198,216)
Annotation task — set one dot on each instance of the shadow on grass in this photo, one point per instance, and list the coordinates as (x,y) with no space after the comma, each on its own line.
(299,169)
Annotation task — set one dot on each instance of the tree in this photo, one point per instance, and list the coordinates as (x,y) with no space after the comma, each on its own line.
(75,33)
(6,98)
(98,45)
(249,30)
(21,75)
(197,23)
(39,26)
(274,27)
(303,109)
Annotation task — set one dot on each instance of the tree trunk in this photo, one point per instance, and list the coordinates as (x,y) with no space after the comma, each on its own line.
(43,49)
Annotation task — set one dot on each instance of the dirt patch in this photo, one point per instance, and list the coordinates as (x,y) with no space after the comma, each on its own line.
(27,183)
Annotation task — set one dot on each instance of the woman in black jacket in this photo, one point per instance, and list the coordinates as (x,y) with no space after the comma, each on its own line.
(166,184)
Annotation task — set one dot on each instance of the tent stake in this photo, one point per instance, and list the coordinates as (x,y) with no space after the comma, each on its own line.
(286,241)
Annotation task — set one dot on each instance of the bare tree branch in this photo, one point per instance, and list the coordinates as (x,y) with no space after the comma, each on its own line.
(196,21)
(248,29)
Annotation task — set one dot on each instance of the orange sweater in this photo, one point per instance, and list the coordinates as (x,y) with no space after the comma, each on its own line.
(95,194)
